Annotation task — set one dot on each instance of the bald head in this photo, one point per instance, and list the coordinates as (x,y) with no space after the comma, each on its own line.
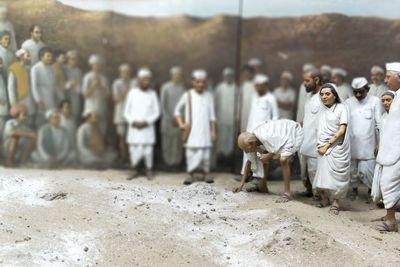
(247,142)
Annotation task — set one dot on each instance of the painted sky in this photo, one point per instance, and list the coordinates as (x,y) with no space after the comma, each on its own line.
(252,8)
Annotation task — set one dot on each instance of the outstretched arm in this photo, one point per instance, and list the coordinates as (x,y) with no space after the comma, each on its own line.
(246,172)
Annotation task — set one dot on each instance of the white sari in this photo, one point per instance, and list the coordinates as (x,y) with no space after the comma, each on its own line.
(333,170)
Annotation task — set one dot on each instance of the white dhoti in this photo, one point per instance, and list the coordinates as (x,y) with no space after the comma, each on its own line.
(308,167)
(362,170)
(141,151)
(386,184)
(198,158)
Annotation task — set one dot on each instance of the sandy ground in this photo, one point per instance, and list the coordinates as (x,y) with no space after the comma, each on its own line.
(93,218)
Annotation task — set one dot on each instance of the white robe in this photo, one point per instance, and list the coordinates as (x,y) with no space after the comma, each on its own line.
(263,108)
(141,106)
(11,126)
(225,113)
(203,113)
(171,139)
(246,95)
(312,110)
(387,172)
(96,102)
(70,126)
(285,95)
(53,142)
(282,137)
(365,120)
(43,83)
(344,91)
(12,93)
(74,95)
(377,90)
(33,48)
(8,57)
(199,143)
(302,99)
(333,167)
(118,87)
(7,26)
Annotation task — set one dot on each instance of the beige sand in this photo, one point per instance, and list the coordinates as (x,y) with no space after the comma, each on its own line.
(89,218)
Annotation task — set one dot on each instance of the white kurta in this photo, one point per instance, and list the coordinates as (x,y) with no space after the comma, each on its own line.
(387,172)
(171,139)
(70,126)
(333,167)
(33,48)
(11,126)
(96,102)
(246,95)
(377,90)
(141,106)
(312,110)
(119,86)
(52,142)
(365,121)
(285,95)
(344,91)
(8,57)
(43,83)
(12,93)
(203,113)
(302,99)
(74,95)
(199,143)
(263,108)
(225,113)
(7,26)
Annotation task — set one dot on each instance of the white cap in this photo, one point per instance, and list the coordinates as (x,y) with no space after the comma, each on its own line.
(227,71)
(377,69)
(393,67)
(175,70)
(49,113)
(20,52)
(339,72)
(144,73)
(123,67)
(261,79)
(253,62)
(359,83)
(308,67)
(95,59)
(199,74)
(326,68)
(72,53)
(287,75)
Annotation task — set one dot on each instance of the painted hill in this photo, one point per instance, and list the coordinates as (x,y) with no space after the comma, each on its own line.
(283,43)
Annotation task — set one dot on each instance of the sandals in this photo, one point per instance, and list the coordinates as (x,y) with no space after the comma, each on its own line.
(386,228)
(285,197)
(334,210)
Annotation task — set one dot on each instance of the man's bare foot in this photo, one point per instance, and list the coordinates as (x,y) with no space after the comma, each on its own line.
(285,197)
(387,226)
(323,203)
(133,175)
(334,209)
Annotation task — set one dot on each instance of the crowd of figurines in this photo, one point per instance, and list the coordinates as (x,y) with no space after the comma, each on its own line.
(51,114)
